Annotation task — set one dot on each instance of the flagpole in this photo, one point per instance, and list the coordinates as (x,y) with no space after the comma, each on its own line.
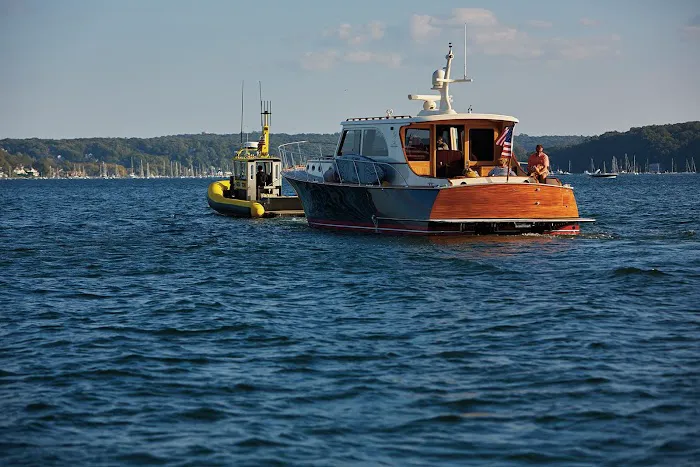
(510,157)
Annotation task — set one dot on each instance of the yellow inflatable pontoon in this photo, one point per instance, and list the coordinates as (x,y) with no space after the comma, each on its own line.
(230,206)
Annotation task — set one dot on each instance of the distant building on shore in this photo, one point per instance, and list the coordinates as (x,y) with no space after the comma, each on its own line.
(23,172)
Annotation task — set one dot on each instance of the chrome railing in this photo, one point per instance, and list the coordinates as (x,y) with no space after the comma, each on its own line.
(296,153)
(355,172)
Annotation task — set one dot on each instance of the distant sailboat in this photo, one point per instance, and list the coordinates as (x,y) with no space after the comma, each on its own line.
(604,173)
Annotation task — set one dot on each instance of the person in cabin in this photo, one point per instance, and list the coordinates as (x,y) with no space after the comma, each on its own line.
(260,180)
(502,169)
(260,177)
(440,144)
(231,192)
(538,164)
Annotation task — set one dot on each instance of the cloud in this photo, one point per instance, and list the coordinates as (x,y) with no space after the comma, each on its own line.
(323,60)
(347,48)
(691,32)
(588,22)
(471,16)
(327,59)
(422,27)
(539,24)
(356,35)
(582,49)
(507,41)
(491,37)
(391,60)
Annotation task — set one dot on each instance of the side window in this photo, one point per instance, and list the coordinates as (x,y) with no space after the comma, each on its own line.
(481,144)
(374,144)
(417,144)
(350,143)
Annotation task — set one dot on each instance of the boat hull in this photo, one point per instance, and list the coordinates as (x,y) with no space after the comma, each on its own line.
(471,209)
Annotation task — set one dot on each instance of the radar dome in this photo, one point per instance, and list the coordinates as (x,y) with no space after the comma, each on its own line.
(438,74)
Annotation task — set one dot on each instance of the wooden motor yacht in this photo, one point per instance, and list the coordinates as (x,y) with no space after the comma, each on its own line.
(429,174)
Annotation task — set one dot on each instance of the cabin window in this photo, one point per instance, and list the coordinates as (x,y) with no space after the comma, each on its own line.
(449,158)
(417,144)
(239,170)
(350,144)
(374,144)
(481,143)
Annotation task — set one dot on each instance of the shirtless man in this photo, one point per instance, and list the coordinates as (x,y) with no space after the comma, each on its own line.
(538,164)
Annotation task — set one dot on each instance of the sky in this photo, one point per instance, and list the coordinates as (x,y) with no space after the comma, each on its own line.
(143,68)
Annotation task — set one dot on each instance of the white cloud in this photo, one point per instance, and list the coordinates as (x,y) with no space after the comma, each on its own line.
(355,35)
(376,29)
(327,59)
(507,41)
(471,16)
(690,32)
(589,22)
(391,60)
(582,49)
(324,60)
(539,24)
(350,37)
(491,37)
(422,27)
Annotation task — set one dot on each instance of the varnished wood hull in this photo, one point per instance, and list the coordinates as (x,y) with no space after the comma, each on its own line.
(471,209)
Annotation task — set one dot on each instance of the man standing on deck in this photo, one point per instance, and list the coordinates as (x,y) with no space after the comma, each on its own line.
(538,164)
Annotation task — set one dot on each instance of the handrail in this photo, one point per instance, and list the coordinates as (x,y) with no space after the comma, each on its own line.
(375,164)
(293,154)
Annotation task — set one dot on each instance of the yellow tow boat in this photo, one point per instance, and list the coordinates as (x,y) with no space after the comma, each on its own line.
(255,188)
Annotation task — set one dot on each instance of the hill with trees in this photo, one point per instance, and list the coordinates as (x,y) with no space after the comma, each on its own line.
(204,152)
(200,152)
(647,145)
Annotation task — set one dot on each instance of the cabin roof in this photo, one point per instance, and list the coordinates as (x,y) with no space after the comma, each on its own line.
(406,119)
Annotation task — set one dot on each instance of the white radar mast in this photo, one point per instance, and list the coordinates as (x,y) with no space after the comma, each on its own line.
(441,82)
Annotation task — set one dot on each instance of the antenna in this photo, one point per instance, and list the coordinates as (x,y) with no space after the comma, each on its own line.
(261,103)
(242,86)
(465,50)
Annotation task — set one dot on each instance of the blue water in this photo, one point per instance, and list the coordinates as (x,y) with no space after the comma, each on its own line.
(139,327)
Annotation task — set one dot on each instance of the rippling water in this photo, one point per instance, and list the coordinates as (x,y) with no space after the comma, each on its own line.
(139,327)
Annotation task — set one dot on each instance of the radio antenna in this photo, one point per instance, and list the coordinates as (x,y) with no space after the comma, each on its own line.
(242,86)
(465,50)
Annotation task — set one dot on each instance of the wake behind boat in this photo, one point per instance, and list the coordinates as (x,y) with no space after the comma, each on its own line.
(429,175)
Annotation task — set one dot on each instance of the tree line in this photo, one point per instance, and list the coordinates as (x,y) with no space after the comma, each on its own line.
(649,144)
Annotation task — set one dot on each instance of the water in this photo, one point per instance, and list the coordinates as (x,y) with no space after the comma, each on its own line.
(139,327)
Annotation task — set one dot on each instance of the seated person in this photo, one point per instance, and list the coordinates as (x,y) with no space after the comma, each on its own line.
(440,144)
(502,169)
(538,164)
(470,173)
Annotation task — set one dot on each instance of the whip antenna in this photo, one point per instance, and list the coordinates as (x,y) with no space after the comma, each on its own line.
(242,86)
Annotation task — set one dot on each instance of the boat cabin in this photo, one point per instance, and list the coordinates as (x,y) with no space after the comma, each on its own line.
(434,147)
(253,177)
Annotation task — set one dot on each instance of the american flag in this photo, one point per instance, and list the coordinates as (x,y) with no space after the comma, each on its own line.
(505,141)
